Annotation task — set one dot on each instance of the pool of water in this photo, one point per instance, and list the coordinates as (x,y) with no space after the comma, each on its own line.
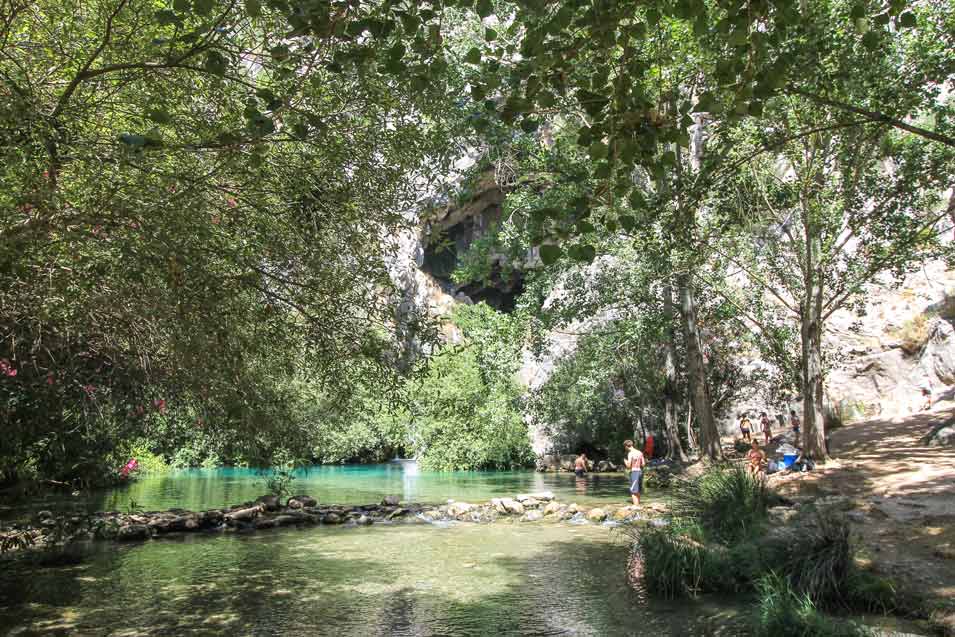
(349,484)
(466,579)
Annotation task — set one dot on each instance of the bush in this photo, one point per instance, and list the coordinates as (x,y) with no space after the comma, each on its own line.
(818,558)
(782,612)
(676,563)
(869,592)
(725,501)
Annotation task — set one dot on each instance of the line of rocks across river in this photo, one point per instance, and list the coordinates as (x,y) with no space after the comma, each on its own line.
(268,512)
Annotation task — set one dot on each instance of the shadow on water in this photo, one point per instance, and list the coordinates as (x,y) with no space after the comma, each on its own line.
(466,580)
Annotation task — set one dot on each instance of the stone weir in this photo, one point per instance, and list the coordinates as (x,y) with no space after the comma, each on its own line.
(268,512)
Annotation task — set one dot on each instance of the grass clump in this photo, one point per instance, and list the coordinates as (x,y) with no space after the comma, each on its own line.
(725,501)
(782,612)
(818,558)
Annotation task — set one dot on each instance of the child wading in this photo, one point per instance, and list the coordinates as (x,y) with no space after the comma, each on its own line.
(634,463)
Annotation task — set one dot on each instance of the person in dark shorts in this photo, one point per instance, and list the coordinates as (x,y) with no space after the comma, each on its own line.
(745,426)
(634,463)
(580,465)
(794,421)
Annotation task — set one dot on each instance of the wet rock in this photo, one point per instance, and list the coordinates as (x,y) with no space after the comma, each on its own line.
(390,501)
(545,496)
(44,515)
(552,508)
(265,523)
(244,515)
(573,508)
(531,503)
(286,520)
(213,517)
(269,502)
(597,515)
(943,436)
(512,506)
(363,520)
(332,518)
(301,501)
(459,508)
(624,512)
(397,513)
(533,516)
(133,533)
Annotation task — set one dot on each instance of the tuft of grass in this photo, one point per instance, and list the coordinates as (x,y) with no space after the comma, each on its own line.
(818,558)
(914,333)
(725,501)
(782,612)
(673,562)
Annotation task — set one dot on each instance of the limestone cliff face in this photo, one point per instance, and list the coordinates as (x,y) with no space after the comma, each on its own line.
(879,358)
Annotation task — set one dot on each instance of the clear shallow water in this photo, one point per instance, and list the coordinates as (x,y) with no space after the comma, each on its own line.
(349,484)
(496,579)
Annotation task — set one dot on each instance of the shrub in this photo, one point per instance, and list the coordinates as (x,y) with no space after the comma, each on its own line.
(677,564)
(818,558)
(782,612)
(869,592)
(725,501)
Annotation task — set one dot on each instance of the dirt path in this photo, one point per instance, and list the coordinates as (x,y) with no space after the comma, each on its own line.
(901,500)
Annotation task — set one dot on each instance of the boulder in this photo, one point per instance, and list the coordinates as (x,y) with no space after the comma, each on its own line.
(565,514)
(567,462)
(247,514)
(397,513)
(545,496)
(332,518)
(943,436)
(597,515)
(44,515)
(269,502)
(390,501)
(513,506)
(456,509)
(531,503)
(286,520)
(209,518)
(533,516)
(301,501)
(132,533)
(552,508)
(363,520)
(624,512)
(266,523)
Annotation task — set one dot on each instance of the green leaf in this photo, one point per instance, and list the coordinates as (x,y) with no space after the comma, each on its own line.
(280,52)
(490,35)
(204,7)
(627,222)
(181,5)
(582,253)
(907,19)
(473,56)
(637,201)
(598,150)
(253,8)
(550,254)
(529,125)
(870,40)
(132,139)
(159,115)
(215,63)
(484,8)
(166,16)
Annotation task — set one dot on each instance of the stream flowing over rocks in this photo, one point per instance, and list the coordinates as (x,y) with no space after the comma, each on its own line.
(268,512)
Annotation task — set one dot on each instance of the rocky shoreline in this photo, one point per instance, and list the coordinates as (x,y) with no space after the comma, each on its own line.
(268,512)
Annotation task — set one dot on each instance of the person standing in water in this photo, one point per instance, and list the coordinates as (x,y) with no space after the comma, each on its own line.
(634,463)
(580,465)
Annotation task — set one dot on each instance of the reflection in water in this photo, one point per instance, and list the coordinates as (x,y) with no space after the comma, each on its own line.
(497,579)
(347,484)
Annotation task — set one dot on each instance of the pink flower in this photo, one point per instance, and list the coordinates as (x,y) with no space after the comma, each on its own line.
(6,369)
(89,389)
(231,202)
(160,405)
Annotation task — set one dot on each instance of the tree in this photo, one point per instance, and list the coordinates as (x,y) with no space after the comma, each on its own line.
(815,224)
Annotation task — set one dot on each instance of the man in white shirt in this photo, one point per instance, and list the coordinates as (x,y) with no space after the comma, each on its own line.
(634,463)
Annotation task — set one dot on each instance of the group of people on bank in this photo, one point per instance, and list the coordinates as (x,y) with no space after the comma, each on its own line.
(756,461)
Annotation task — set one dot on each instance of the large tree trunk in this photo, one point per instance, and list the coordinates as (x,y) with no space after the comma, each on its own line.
(814,426)
(696,371)
(670,425)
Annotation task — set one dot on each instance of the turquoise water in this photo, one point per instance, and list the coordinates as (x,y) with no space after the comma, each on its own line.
(349,484)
